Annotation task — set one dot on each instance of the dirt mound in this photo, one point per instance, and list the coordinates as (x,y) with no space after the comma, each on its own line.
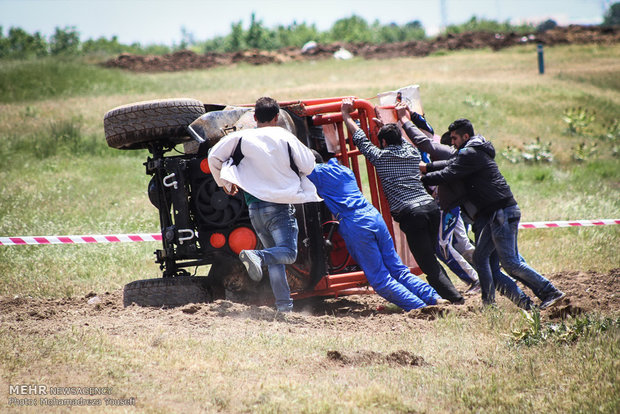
(586,292)
(187,60)
(371,357)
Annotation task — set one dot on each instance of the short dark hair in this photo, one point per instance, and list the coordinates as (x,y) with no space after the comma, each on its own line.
(462,126)
(391,134)
(318,158)
(266,109)
(445,138)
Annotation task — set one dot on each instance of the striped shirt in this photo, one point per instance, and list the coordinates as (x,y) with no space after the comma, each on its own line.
(398,167)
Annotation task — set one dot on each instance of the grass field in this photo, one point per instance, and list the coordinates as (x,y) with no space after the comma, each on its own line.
(59,177)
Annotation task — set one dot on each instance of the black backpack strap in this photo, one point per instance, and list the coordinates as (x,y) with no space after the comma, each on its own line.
(237,155)
(291,160)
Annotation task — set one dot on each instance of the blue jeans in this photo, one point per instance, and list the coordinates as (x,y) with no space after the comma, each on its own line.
(277,230)
(506,285)
(499,232)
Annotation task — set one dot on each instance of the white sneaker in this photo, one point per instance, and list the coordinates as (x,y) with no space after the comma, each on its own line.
(252,264)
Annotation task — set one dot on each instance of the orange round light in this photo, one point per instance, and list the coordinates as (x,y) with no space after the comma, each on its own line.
(204,166)
(242,238)
(217,240)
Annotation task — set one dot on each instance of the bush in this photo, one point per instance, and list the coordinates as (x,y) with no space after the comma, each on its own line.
(546,25)
(65,42)
(534,152)
(21,45)
(566,332)
(578,120)
(482,25)
(612,17)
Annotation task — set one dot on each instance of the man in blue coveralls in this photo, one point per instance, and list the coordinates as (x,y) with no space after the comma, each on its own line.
(368,239)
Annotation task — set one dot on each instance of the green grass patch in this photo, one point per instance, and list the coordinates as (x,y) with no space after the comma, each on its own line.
(606,79)
(53,78)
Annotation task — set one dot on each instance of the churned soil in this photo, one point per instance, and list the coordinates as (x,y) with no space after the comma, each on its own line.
(586,292)
(188,60)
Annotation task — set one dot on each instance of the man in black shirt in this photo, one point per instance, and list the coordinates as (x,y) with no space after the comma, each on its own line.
(497,218)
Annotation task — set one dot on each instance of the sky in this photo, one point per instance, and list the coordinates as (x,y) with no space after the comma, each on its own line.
(162,21)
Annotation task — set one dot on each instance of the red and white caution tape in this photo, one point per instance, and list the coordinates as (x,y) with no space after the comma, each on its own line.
(110,238)
(128,238)
(572,223)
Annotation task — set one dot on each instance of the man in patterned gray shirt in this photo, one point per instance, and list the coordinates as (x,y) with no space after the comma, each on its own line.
(397,164)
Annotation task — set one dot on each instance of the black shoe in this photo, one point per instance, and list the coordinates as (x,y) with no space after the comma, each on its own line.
(552,299)
(460,301)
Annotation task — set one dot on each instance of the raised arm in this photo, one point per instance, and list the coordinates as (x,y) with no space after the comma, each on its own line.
(346,109)
(361,141)
(436,150)
(419,138)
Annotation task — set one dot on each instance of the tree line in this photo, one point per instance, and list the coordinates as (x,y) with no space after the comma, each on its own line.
(19,44)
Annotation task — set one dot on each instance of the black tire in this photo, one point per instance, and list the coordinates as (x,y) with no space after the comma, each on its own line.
(135,125)
(167,292)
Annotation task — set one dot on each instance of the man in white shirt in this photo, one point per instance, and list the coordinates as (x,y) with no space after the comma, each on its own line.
(270,165)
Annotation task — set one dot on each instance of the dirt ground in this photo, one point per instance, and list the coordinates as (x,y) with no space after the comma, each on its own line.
(589,292)
(186,60)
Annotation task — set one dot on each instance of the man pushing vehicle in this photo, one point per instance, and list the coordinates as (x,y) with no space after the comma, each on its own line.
(270,165)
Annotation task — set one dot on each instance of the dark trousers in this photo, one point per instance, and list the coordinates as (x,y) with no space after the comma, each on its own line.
(421,226)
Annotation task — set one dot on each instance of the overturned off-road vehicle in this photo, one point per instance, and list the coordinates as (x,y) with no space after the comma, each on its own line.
(203,229)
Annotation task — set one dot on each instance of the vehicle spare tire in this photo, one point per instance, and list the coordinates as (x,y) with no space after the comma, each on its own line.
(135,125)
(168,291)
